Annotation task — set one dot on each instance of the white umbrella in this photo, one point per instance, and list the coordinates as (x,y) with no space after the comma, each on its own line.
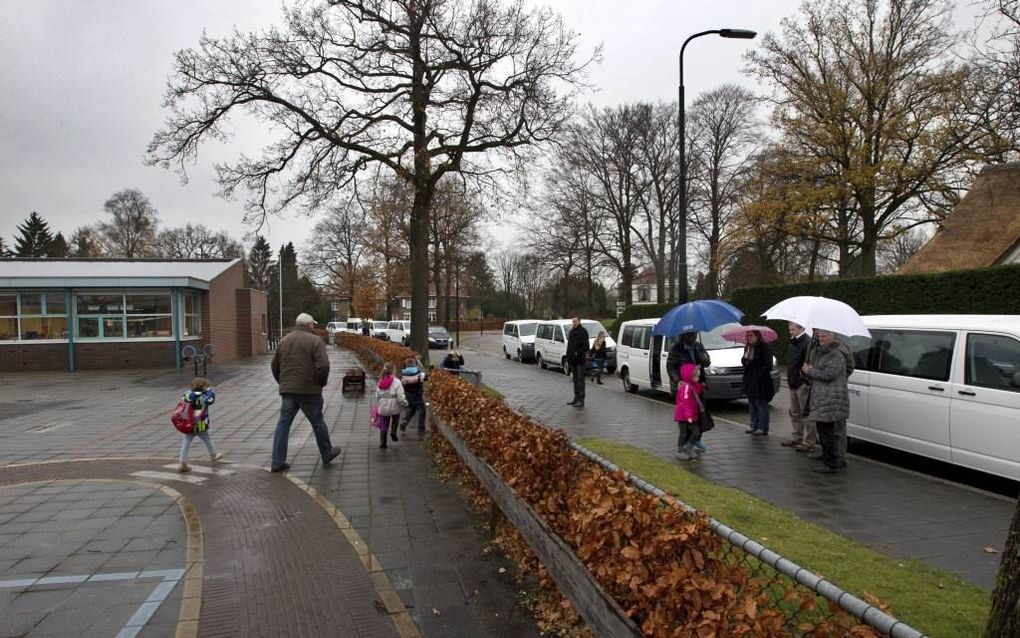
(820,313)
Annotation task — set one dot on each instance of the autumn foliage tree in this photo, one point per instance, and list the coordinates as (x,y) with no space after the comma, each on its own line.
(867,93)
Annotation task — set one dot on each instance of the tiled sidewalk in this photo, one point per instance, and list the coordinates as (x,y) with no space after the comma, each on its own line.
(419,528)
(897,512)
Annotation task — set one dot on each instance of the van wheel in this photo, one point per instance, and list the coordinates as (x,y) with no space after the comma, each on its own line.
(519,358)
(505,352)
(540,361)
(566,368)
(627,385)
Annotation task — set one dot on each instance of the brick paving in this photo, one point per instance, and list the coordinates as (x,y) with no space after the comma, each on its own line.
(897,512)
(275,563)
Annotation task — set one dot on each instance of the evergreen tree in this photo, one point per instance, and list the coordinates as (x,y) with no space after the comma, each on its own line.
(86,243)
(58,247)
(260,264)
(34,238)
(4,253)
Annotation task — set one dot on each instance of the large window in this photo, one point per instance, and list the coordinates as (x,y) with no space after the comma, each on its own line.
(192,314)
(142,315)
(993,361)
(32,316)
(921,354)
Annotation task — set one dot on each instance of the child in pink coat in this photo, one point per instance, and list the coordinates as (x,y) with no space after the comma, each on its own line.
(687,412)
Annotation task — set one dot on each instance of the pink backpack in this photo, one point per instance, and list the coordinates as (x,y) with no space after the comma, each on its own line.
(183,417)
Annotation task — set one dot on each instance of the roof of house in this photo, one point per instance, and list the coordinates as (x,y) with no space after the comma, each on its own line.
(111,273)
(644,277)
(982,230)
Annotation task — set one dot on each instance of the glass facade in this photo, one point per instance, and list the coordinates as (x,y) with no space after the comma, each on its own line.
(143,314)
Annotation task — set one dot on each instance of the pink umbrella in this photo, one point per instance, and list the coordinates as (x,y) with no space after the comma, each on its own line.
(739,334)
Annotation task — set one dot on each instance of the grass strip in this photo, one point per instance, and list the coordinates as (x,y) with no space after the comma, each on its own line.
(929,599)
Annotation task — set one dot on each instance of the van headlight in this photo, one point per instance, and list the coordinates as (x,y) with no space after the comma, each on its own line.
(714,370)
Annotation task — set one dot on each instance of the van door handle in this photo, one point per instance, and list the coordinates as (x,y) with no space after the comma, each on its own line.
(936,388)
(968,393)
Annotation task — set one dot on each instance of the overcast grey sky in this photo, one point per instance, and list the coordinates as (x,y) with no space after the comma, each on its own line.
(83,83)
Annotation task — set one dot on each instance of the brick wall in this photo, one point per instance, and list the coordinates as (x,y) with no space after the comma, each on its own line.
(222,323)
(124,354)
(42,356)
(251,309)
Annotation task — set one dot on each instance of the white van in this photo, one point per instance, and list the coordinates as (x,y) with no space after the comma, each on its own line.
(551,343)
(352,324)
(641,358)
(519,339)
(942,386)
(399,332)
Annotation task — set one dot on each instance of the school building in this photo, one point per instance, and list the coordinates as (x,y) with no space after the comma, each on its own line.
(87,314)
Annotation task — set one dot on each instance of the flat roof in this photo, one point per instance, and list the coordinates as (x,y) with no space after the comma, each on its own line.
(111,273)
(948,322)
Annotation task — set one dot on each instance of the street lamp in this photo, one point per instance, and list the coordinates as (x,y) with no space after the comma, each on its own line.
(739,34)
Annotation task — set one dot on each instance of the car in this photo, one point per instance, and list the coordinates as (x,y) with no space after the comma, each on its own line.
(519,339)
(399,332)
(438,337)
(641,357)
(378,329)
(333,327)
(945,387)
(352,325)
(551,343)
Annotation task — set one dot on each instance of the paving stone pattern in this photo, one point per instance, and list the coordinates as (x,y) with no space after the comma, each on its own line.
(418,527)
(899,513)
(61,533)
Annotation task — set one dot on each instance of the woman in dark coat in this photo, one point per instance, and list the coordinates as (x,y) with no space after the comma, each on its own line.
(757,382)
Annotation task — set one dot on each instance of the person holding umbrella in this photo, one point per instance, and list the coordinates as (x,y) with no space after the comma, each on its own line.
(757,381)
(830,397)
(687,349)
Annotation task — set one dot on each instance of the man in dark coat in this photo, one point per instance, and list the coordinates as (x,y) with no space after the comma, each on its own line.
(301,367)
(687,349)
(577,348)
(805,437)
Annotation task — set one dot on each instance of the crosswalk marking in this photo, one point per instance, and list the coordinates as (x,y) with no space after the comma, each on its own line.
(167,476)
(201,469)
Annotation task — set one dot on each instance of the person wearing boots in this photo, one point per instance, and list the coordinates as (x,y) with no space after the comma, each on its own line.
(577,349)
(598,357)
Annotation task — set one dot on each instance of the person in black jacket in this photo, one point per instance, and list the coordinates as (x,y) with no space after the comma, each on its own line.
(687,349)
(757,382)
(805,437)
(452,361)
(577,351)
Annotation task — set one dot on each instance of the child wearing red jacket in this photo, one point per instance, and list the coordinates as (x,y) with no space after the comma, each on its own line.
(688,410)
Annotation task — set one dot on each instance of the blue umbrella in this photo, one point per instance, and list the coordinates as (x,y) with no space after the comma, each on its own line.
(700,316)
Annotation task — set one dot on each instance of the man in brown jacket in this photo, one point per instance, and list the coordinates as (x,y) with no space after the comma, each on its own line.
(301,367)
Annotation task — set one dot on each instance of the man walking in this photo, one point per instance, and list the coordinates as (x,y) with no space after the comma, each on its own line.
(577,348)
(301,367)
(805,436)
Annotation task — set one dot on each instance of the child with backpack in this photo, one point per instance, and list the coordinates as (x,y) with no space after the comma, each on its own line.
(413,380)
(390,401)
(200,397)
(688,412)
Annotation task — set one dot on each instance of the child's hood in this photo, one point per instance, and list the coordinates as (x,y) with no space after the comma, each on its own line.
(410,371)
(386,382)
(687,372)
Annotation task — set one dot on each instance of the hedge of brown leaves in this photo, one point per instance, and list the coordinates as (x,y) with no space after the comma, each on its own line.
(662,564)
(385,350)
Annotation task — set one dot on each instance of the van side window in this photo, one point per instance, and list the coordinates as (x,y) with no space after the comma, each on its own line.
(557,333)
(628,336)
(507,329)
(912,353)
(643,338)
(993,361)
(861,347)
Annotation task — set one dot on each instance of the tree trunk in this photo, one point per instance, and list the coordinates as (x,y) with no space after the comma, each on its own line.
(627,276)
(419,271)
(1004,619)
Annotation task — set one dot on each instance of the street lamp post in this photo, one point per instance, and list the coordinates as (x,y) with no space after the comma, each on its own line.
(681,249)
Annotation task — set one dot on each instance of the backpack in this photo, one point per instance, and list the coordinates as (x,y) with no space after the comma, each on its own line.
(183,417)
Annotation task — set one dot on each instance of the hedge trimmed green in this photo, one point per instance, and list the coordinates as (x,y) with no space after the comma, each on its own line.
(979,291)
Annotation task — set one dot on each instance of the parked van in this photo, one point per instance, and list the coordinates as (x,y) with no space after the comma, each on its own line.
(551,343)
(641,358)
(519,339)
(942,386)
(399,332)
(379,329)
(353,324)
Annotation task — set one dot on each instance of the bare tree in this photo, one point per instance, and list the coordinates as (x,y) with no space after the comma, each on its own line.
(389,207)
(131,229)
(657,152)
(195,241)
(895,252)
(508,274)
(422,88)
(867,91)
(724,131)
(338,248)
